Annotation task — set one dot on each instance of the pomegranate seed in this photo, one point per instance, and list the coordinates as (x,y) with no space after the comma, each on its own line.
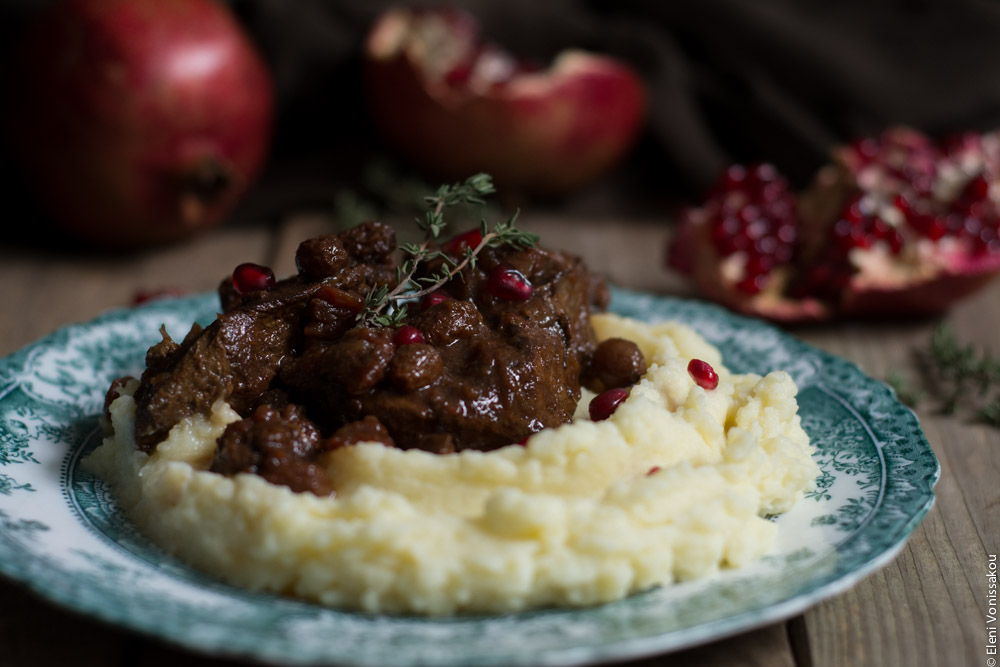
(653,471)
(459,75)
(904,205)
(758,265)
(506,282)
(866,149)
(432,299)
(703,374)
(763,172)
(458,244)
(787,233)
(724,231)
(407,335)
(523,441)
(930,226)
(748,214)
(766,246)
(339,298)
(895,242)
(757,229)
(604,405)
(250,277)
(752,284)
(733,177)
(977,189)
(853,211)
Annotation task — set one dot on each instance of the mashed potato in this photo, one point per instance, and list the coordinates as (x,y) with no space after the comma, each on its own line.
(673,486)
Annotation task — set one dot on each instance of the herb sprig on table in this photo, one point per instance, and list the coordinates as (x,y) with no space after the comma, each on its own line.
(386,306)
(955,374)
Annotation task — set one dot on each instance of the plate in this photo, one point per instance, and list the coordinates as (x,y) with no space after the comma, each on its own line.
(62,534)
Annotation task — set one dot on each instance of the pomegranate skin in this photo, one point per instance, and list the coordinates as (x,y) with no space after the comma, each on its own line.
(538,132)
(141,121)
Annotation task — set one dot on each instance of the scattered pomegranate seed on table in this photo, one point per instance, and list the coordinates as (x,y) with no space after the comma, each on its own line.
(604,405)
(703,374)
(249,277)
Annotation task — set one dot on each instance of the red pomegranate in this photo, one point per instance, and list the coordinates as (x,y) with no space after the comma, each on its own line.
(895,225)
(455,105)
(140,121)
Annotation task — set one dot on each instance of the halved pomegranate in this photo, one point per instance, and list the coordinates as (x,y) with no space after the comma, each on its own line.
(454,105)
(895,225)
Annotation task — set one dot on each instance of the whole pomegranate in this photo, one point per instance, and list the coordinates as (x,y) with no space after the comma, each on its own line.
(454,104)
(140,121)
(895,225)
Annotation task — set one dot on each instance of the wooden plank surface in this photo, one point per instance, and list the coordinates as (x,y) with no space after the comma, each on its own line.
(927,607)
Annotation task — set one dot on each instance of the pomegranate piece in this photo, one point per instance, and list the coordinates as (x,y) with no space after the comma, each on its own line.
(454,105)
(407,335)
(138,121)
(895,225)
(703,374)
(604,405)
(249,277)
(506,282)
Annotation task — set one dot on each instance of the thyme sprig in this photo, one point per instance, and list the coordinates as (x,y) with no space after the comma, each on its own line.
(387,307)
(955,374)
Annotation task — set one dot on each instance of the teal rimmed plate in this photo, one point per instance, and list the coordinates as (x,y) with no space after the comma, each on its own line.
(63,536)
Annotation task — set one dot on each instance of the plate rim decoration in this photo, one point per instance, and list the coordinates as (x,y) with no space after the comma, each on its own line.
(61,538)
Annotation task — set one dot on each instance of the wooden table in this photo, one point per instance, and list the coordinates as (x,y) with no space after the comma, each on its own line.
(927,607)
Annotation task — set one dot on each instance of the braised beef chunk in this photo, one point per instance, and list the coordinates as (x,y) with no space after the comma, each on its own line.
(279,445)
(498,360)
(369,429)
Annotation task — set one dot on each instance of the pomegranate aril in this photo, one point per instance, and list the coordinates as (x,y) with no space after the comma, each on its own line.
(763,172)
(703,374)
(748,214)
(723,232)
(758,265)
(604,405)
(506,282)
(733,177)
(458,244)
(249,277)
(407,335)
(975,190)
(432,299)
(752,284)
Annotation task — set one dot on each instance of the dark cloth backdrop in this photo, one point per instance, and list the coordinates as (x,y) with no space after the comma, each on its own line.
(778,80)
(730,80)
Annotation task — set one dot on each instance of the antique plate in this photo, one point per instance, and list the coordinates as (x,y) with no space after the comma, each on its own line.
(63,536)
